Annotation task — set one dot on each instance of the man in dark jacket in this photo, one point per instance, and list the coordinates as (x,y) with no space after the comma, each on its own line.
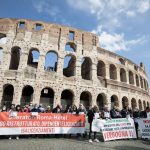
(93,113)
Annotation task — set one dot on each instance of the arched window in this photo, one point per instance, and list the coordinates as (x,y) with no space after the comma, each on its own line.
(33,58)
(123,75)
(86,68)
(101,69)
(67,97)
(8,92)
(140,105)
(70,46)
(15,58)
(69,68)
(144,105)
(47,97)
(114,101)
(3,39)
(113,72)
(131,77)
(137,80)
(147,104)
(27,95)
(85,99)
(125,102)
(133,103)
(51,61)
(101,101)
(141,81)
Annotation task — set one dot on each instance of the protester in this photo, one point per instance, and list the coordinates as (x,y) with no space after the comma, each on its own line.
(125,113)
(35,109)
(143,114)
(48,109)
(106,113)
(58,109)
(115,112)
(81,109)
(74,109)
(93,113)
(18,108)
(13,113)
(26,109)
(68,109)
(41,108)
(136,116)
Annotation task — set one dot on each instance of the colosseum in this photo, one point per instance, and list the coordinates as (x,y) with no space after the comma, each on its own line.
(54,64)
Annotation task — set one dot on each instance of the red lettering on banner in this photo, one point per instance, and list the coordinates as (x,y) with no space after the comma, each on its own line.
(115,135)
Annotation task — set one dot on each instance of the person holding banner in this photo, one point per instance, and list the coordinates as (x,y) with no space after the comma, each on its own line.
(12,114)
(136,116)
(115,113)
(93,113)
(106,113)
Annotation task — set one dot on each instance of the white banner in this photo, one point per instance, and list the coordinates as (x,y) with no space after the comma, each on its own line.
(144,126)
(112,129)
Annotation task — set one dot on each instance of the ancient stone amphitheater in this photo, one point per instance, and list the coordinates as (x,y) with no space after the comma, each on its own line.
(51,64)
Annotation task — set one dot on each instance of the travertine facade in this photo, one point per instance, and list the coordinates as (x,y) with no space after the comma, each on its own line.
(93,75)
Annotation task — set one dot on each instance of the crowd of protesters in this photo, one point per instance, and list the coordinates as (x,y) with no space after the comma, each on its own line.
(91,113)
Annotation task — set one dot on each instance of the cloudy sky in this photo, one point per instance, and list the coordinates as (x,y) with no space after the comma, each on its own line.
(122,25)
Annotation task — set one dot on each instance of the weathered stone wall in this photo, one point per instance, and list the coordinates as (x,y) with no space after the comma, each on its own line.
(53,37)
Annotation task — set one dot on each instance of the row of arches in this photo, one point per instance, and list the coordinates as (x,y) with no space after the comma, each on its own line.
(69,67)
(67,98)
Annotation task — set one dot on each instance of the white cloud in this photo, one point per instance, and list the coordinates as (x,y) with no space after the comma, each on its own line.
(106,10)
(116,42)
(45,6)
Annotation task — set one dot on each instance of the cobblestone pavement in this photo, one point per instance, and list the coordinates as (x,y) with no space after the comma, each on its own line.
(71,144)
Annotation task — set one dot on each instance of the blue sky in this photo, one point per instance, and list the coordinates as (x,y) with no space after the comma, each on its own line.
(123,25)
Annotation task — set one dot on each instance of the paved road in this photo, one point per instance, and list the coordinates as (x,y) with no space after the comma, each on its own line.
(71,144)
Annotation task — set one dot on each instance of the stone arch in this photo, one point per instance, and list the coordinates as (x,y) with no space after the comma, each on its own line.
(125,102)
(51,61)
(69,68)
(85,99)
(15,58)
(27,95)
(70,46)
(67,97)
(3,39)
(123,77)
(140,105)
(137,80)
(131,78)
(141,81)
(101,69)
(86,68)
(33,57)
(101,101)
(133,103)
(8,92)
(47,97)
(114,101)
(144,105)
(113,72)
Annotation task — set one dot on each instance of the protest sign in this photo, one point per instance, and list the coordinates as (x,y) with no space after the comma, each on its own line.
(112,129)
(144,126)
(41,123)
